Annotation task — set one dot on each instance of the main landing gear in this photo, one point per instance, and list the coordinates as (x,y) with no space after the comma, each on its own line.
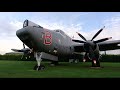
(38,67)
(95,63)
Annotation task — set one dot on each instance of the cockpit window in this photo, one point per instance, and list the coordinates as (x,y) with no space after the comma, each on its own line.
(57,30)
(25,23)
(29,23)
(60,31)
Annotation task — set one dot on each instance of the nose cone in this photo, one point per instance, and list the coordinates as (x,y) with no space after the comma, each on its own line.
(22,32)
(25,36)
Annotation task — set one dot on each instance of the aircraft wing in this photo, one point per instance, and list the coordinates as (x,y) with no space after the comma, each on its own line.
(109,45)
(79,48)
(103,46)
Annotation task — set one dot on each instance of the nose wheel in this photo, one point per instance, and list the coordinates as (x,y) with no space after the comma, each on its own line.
(41,67)
(38,67)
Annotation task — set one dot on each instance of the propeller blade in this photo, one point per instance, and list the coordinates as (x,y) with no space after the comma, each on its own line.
(23,45)
(97,33)
(79,41)
(102,40)
(81,36)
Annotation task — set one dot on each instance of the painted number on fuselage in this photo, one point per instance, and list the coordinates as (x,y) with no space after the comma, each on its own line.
(47,38)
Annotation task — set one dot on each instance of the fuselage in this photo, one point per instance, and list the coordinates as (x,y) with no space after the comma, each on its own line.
(55,42)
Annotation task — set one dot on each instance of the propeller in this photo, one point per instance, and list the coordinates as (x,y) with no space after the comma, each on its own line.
(26,51)
(89,45)
(97,33)
(101,40)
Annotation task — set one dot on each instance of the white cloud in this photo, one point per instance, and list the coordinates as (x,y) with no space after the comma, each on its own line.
(8,39)
(16,24)
(113,29)
(7,44)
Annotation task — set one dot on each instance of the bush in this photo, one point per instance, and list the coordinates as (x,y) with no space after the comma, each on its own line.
(14,58)
(104,58)
(110,58)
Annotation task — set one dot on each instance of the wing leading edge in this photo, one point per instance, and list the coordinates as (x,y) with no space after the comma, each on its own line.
(103,46)
(109,45)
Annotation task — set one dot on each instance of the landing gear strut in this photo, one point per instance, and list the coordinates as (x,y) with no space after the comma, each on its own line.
(38,56)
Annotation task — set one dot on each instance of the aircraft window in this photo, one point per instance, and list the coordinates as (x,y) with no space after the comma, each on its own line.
(25,23)
(38,26)
(60,31)
(57,30)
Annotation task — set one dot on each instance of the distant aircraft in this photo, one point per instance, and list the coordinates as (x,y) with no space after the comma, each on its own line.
(54,44)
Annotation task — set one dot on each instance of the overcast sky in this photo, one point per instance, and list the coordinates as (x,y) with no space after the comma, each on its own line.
(87,23)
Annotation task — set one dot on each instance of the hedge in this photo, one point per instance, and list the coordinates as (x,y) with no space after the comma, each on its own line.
(14,58)
(104,58)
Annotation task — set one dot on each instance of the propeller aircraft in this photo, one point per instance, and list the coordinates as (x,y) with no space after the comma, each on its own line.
(55,44)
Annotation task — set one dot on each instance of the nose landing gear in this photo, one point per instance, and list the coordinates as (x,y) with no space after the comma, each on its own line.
(38,67)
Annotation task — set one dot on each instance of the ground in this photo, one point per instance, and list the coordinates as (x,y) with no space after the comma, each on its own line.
(24,69)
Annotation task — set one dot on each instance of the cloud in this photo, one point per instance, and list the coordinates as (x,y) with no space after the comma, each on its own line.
(8,43)
(8,37)
(113,29)
(8,28)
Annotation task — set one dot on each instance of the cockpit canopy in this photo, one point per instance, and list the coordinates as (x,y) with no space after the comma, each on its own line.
(29,23)
(59,31)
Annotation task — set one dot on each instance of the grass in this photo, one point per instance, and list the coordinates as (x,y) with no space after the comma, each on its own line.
(24,69)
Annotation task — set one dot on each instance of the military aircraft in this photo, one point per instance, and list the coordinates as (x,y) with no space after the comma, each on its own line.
(55,44)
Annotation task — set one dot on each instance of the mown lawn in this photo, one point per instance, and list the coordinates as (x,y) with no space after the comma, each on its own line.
(24,69)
